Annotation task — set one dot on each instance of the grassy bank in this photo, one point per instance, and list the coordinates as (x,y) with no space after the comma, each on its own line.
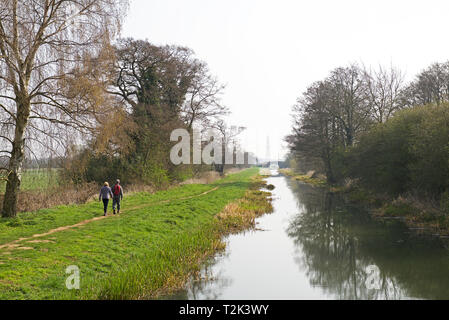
(150,250)
(306,178)
(416,213)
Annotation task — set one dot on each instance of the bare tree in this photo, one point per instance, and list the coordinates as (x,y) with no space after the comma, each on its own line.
(328,118)
(203,102)
(41,44)
(347,100)
(430,86)
(384,90)
(316,132)
(229,141)
(154,76)
(167,77)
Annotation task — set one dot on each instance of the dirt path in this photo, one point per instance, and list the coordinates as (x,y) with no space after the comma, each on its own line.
(177,199)
(15,244)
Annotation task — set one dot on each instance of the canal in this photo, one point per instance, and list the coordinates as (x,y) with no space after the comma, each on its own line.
(314,246)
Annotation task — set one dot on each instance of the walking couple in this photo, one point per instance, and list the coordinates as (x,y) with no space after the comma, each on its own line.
(116,194)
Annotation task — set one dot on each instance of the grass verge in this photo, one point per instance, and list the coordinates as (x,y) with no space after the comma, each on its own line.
(307,178)
(416,215)
(150,250)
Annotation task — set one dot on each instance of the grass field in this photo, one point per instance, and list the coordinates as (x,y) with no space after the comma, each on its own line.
(36,179)
(149,250)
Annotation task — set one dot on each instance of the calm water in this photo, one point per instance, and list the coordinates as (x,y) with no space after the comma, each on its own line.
(315,247)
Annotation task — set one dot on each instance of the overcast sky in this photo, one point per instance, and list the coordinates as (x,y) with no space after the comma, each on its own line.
(268,52)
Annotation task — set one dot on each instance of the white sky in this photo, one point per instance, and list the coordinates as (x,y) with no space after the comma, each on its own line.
(268,52)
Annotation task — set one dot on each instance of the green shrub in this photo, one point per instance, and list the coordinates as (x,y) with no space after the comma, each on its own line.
(154,173)
(408,152)
(430,149)
(399,210)
(444,202)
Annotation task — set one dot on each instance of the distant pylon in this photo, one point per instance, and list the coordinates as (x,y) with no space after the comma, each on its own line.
(268,154)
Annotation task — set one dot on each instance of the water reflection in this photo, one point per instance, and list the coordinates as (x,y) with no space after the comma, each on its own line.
(338,243)
(316,247)
(208,285)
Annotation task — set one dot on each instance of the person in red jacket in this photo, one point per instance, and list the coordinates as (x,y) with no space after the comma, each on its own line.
(117,198)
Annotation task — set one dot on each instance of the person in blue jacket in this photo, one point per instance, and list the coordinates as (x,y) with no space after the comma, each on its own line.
(105,195)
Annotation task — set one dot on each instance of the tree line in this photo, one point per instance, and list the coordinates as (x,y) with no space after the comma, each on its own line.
(372,127)
(103,106)
(153,91)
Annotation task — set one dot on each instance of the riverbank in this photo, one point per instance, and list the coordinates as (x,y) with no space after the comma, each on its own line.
(158,242)
(309,178)
(416,213)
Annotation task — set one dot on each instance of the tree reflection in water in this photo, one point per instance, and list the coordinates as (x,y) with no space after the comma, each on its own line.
(208,285)
(336,244)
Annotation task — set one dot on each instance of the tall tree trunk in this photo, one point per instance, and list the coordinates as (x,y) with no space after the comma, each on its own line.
(16,160)
(328,166)
(350,136)
(329,172)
